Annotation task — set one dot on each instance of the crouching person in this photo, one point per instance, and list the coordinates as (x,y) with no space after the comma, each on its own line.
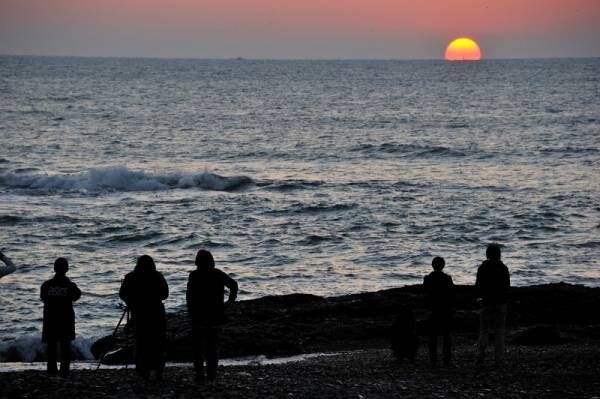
(58,295)
(205,294)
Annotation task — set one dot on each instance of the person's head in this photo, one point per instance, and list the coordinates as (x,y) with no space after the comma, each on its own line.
(493,252)
(145,264)
(438,263)
(61,266)
(204,260)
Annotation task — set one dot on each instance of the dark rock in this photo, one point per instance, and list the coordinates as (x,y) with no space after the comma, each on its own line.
(538,335)
(300,323)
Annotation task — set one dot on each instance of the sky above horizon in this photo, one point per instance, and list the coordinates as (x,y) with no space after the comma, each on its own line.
(299,29)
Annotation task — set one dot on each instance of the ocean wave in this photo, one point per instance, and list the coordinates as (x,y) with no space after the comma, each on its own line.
(11,220)
(290,185)
(121,178)
(409,150)
(31,349)
(315,239)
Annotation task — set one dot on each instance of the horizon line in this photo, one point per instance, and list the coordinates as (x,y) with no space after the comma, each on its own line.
(240,58)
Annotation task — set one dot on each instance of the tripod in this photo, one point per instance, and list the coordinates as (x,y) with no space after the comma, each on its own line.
(114,334)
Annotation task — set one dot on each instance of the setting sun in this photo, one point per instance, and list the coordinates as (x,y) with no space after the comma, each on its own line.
(463,49)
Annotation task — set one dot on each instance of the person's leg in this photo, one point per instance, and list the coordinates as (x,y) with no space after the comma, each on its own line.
(433,338)
(212,353)
(500,330)
(199,337)
(447,346)
(141,353)
(65,357)
(484,325)
(51,356)
(161,351)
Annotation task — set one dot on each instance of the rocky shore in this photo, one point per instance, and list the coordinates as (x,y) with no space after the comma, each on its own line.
(553,351)
(559,371)
(300,323)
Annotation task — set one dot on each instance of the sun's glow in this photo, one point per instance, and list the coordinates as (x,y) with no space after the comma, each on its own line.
(463,49)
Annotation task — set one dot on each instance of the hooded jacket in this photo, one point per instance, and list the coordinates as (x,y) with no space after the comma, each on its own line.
(143,290)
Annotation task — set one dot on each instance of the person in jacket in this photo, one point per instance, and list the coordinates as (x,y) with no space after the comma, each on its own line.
(143,290)
(439,290)
(205,294)
(492,284)
(58,295)
(8,268)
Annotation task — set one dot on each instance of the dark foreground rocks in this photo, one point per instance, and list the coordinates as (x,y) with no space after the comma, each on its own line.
(294,324)
(559,371)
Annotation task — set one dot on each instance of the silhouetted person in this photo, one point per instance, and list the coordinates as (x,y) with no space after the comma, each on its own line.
(143,290)
(493,282)
(205,293)
(58,295)
(439,289)
(8,268)
(404,338)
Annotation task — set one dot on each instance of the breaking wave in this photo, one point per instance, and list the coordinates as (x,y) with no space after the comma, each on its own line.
(31,349)
(121,178)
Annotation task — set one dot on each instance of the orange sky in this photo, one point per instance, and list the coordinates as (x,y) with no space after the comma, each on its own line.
(298,29)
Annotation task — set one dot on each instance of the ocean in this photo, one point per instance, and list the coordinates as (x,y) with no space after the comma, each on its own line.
(322,177)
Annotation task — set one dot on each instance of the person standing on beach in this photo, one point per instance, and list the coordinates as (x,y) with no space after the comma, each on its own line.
(205,293)
(439,290)
(143,290)
(492,284)
(58,295)
(8,268)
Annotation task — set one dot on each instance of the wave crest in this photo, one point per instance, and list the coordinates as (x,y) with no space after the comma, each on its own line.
(31,349)
(121,178)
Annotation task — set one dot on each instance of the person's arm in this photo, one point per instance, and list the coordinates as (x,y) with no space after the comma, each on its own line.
(506,282)
(163,288)
(75,292)
(8,268)
(233,287)
(451,292)
(189,295)
(124,291)
(43,293)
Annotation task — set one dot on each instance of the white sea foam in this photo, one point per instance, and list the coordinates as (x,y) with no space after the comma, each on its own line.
(121,178)
(30,348)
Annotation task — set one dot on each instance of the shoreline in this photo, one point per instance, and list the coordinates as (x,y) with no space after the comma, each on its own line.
(561,371)
(254,361)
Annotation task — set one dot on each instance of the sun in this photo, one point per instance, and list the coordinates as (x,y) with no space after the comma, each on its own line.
(463,49)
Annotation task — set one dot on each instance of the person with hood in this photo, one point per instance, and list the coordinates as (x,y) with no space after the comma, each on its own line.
(143,290)
(492,284)
(8,268)
(439,290)
(205,294)
(58,295)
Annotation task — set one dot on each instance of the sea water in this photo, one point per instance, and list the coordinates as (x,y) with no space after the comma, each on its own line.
(322,177)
